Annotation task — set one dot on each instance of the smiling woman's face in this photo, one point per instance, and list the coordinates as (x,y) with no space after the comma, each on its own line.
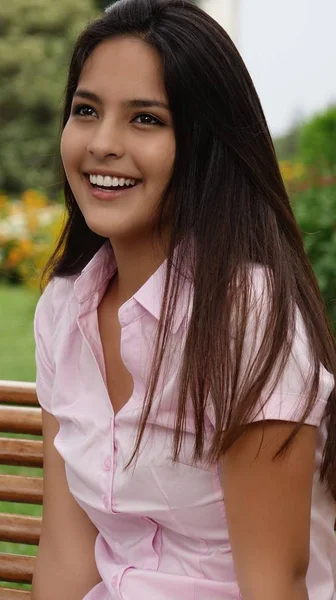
(107,135)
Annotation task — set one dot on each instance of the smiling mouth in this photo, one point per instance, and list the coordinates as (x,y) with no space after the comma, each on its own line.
(109,193)
(111,188)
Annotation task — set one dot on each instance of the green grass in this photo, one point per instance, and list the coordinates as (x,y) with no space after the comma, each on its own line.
(17,307)
(17,363)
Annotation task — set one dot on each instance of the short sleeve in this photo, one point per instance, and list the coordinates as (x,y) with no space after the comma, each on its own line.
(43,331)
(285,401)
(288,399)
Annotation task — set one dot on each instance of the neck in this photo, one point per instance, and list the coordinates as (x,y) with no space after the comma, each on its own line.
(136,262)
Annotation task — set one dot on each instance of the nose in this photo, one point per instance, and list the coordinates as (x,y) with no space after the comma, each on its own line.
(106,140)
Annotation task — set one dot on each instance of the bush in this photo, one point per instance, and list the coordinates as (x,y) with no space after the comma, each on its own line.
(315,211)
(317,148)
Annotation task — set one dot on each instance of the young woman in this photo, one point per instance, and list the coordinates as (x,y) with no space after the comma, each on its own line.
(185,366)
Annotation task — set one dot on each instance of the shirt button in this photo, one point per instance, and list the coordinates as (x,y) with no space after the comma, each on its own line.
(107,464)
(105,500)
(114,580)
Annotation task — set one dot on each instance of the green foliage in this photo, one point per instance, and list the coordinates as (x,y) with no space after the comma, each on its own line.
(312,144)
(286,146)
(102,4)
(315,211)
(317,142)
(36,39)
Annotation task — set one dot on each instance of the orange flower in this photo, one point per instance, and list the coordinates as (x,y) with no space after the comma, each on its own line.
(13,257)
(26,248)
(32,220)
(3,201)
(291,171)
(33,199)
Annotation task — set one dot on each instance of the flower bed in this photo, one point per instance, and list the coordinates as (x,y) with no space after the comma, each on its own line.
(29,228)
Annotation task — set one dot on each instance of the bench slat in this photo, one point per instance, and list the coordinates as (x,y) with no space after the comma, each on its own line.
(15,451)
(20,529)
(12,594)
(16,568)
(17,488)
(20,419)
(18,392)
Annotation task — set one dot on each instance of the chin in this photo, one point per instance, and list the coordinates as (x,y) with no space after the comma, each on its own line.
(104,229)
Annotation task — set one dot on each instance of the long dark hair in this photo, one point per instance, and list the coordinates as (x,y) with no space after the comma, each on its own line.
(227,193)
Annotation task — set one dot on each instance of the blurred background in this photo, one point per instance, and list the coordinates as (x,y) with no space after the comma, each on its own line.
(290,51)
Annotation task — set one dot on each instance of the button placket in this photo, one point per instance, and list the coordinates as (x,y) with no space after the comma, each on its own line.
(107,463)
(114,462)
(106,474)
(105,500)
(115,458)
(115,445)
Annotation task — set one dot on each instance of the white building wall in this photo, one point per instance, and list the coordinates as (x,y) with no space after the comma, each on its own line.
(226,12)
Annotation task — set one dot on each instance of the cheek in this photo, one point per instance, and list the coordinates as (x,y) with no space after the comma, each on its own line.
(160,159)
(166,169)
(69,148)
(169,153)
(64,148)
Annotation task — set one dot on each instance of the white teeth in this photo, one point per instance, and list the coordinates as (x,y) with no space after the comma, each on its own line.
(108,181)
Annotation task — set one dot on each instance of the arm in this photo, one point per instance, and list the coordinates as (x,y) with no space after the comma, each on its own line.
(268,506)
(65,564)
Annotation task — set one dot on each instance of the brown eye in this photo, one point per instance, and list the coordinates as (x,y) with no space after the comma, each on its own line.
(77,110)
(149,118)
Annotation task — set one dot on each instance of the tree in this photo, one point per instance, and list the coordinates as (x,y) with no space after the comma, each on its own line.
(286,145)
(36,40)
(102,4)
(317,147)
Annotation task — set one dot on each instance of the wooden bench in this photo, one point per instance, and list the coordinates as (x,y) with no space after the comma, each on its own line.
(20,414)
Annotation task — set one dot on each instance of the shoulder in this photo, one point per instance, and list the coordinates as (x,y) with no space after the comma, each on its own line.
(52,303)
(48,319)
(56,294)
(294,365)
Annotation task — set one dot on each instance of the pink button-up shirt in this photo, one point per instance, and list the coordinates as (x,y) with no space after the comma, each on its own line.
(162,527)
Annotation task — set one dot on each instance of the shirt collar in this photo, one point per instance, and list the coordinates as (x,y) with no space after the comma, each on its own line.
(101,268)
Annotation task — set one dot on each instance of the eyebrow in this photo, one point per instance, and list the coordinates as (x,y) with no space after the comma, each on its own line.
(136,103)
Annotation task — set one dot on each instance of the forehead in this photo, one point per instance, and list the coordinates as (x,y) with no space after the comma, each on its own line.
(124,66)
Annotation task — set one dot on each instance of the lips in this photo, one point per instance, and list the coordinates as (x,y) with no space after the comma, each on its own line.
(109,193)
